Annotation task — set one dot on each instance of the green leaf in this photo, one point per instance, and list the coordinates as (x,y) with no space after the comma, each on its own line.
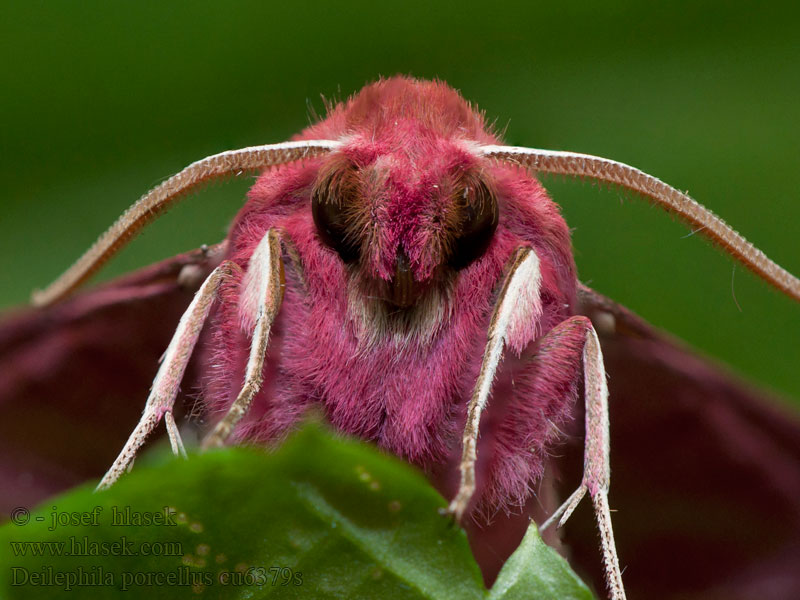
(537,571)
(321,517)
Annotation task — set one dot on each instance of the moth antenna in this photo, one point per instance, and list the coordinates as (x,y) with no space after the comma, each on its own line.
(698,217)
(163,196)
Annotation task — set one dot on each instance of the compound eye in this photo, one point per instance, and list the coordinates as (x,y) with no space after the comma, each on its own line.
(333,209)
(479,216)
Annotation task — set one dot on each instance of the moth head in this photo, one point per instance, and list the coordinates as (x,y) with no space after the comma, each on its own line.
(403,223)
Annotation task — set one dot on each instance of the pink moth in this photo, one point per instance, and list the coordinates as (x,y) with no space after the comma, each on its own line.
(400,268)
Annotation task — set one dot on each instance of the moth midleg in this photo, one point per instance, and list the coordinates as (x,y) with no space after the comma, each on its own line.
(165,385)
(261,297)
(518,303)
(596,462)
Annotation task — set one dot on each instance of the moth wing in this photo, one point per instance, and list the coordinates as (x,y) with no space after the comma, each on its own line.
(705,477)
(75,375)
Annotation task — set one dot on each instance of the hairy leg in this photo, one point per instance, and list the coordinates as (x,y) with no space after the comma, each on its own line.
(167,382)
(517,303)
(596,463)
(260,301)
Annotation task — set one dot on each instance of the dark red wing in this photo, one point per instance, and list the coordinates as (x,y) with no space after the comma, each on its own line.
(75,376)
(705,477)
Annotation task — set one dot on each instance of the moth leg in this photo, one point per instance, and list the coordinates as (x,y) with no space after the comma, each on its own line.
(165,385)
(261,298)
(517,306)
(596,463)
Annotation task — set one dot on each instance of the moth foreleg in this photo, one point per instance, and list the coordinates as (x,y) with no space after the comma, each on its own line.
(167,382)
(260,300)
(596,462)
(518,305)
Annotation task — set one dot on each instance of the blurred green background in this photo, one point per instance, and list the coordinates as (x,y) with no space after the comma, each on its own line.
(100,101)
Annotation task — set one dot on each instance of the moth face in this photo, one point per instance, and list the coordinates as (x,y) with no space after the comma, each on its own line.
(404,223)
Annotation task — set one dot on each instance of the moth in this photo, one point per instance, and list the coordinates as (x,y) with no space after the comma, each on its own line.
(398,266)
